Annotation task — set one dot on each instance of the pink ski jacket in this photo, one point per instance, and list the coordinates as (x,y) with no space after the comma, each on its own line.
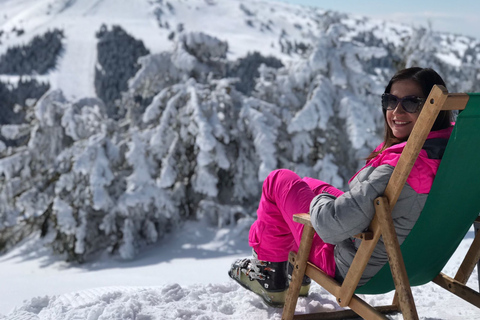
(337,220)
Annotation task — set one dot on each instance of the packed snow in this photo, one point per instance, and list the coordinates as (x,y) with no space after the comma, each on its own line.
(159,201)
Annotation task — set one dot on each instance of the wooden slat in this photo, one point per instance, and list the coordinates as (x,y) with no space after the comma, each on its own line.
(320,277)
(395,258)
(456,101)
(458,289)
(355,303)
(303,218)
(299,265)
(343,314)
(365,310)
(470,260)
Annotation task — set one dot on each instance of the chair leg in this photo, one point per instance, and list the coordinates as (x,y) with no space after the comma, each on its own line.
(477,230)
(397,266)
(471,259)
(298,272)
(395,299)
(457,285)
(458,288)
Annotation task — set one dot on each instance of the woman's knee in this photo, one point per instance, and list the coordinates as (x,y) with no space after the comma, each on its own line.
(282,174)
(279,180)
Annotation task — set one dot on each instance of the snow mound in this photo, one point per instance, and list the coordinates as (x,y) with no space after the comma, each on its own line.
(214,301)
(172,301)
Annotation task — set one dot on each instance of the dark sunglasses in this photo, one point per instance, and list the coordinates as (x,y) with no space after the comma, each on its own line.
(410,104)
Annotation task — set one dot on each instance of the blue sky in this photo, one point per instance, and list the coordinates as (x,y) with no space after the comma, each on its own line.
(457,16)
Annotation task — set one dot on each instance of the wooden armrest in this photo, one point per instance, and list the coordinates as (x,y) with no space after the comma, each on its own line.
(303,218)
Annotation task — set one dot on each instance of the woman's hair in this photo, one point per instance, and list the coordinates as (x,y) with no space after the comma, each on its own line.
(426,78)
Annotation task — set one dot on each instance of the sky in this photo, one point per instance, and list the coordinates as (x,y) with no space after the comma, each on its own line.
(459,16)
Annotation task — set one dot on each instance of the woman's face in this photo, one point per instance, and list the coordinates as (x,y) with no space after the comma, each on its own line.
(400,121)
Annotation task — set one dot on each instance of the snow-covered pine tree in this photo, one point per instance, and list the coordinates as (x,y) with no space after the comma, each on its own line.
(328,106)
(191,145)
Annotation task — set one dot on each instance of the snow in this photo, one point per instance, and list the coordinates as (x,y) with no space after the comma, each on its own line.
(390,32)
(254,25)
(450,58)
(185,277)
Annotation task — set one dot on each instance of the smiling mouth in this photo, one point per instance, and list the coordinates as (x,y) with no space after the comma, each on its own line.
(400,122)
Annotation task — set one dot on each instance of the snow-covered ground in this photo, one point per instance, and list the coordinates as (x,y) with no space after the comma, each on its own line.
(183,278)
(185,275)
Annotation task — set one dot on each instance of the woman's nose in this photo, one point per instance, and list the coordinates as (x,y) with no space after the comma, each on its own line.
(398,108)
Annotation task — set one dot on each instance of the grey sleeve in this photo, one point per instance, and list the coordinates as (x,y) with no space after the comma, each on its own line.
(336,219)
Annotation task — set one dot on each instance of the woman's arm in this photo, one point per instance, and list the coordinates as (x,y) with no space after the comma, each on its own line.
(336,219)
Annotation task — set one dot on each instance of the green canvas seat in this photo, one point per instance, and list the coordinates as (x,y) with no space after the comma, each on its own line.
(451,208)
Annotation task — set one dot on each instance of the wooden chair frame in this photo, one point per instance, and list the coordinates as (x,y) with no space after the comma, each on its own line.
(382,225)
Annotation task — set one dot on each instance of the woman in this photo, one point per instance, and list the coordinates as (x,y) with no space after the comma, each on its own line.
(337,216)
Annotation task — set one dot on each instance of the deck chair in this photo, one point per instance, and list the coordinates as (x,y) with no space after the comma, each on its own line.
(450,210)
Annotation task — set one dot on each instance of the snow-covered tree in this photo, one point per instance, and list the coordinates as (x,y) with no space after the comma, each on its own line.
(189,145)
